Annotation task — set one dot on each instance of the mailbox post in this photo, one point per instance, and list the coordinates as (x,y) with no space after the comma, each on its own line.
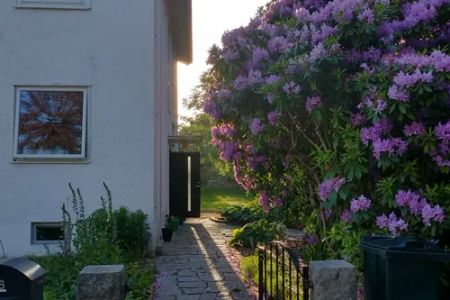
(21,279)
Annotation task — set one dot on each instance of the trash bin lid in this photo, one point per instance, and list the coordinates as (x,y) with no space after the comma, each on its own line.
(28,268)
(404,247)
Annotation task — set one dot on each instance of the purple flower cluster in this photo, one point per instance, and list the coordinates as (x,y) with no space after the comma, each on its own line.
(329,186)
(414,129)
(437,59)
(291,88)
(393,146)
(408,80)
(373,133)
(413,13)
(367,16)
(243,82)
(278,44)
(312,103)
(361,204)
(441,155)
(256,126)
(346,215)
(272,117)
(392,223)
(419,206)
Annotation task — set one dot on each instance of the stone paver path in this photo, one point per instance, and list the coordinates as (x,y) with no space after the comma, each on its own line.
(196,264)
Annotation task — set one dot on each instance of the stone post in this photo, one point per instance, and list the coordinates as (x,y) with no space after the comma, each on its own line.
(101,282)
(332,280)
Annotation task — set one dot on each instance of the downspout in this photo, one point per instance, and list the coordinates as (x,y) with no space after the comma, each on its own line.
(156,130)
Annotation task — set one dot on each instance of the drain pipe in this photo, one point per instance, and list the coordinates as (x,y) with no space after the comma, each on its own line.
(3,250)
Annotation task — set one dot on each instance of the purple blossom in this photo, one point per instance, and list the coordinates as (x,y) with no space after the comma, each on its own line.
(374,133)
(256,126)
(228,150)
(264,201)
(346,215)
(396,93)
(414,129)
(407,80)
(272,117)
(318,52)
(210,108)
(366,15)
(311,239)
(254,77)
(230,55)
(394,146)
(312,103)
(381,106)
(277,202)
(409,199)
(223,94)
(442,131)
(394,224)
(270,97)
(259,54)
(435,213)
(278,44)
(357,119)
(329,186)
(360,204)
(440,61)
(271,79)
(240,83)
(291,88)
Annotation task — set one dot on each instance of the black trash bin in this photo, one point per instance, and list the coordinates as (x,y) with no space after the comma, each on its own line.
(21,279)
(401,268)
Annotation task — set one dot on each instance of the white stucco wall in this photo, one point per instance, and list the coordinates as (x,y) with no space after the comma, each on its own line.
(109,48)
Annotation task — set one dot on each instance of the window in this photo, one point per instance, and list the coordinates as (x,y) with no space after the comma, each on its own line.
(56,4)
(47,232)
(50,123)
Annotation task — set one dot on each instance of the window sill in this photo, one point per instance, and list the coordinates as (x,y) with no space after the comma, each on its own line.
(55,4)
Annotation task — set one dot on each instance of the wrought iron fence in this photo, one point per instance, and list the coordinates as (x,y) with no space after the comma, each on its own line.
(282,274)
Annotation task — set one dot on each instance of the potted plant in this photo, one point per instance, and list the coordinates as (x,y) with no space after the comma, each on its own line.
(172,223)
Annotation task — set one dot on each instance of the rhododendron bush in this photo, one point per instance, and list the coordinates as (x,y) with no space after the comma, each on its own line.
(341,109)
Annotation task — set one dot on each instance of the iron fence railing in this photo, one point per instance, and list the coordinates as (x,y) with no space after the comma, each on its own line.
(282,274)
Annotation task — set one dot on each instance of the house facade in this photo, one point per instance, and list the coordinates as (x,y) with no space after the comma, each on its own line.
(87,95)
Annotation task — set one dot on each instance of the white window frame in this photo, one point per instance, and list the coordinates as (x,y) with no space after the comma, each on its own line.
(50,157)
(34,225)
(55,4)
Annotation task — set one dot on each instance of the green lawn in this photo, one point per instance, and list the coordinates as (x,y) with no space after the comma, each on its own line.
(214,198)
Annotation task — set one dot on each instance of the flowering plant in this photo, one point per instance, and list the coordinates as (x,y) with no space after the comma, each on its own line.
(342,107)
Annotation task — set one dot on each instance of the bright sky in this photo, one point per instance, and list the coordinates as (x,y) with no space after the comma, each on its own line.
(210,19)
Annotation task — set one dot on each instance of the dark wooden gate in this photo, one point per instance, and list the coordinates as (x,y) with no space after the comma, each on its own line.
(185,184)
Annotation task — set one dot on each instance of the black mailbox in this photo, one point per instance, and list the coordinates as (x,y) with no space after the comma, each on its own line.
(21,279)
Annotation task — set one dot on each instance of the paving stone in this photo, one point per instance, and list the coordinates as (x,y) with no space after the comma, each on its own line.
(198,268)
(192,284)
(193,291)
(187,278)
(209,296)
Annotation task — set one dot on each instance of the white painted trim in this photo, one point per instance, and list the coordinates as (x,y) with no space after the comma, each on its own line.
(55,4)
(45,158)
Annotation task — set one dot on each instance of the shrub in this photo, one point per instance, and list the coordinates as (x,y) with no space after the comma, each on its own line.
(342,107)
(106,236)
(241,215)
(261,231)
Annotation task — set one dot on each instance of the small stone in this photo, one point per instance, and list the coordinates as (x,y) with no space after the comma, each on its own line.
(333,280)
(101,282)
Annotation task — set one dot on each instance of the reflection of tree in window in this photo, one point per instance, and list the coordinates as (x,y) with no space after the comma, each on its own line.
(50,122)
